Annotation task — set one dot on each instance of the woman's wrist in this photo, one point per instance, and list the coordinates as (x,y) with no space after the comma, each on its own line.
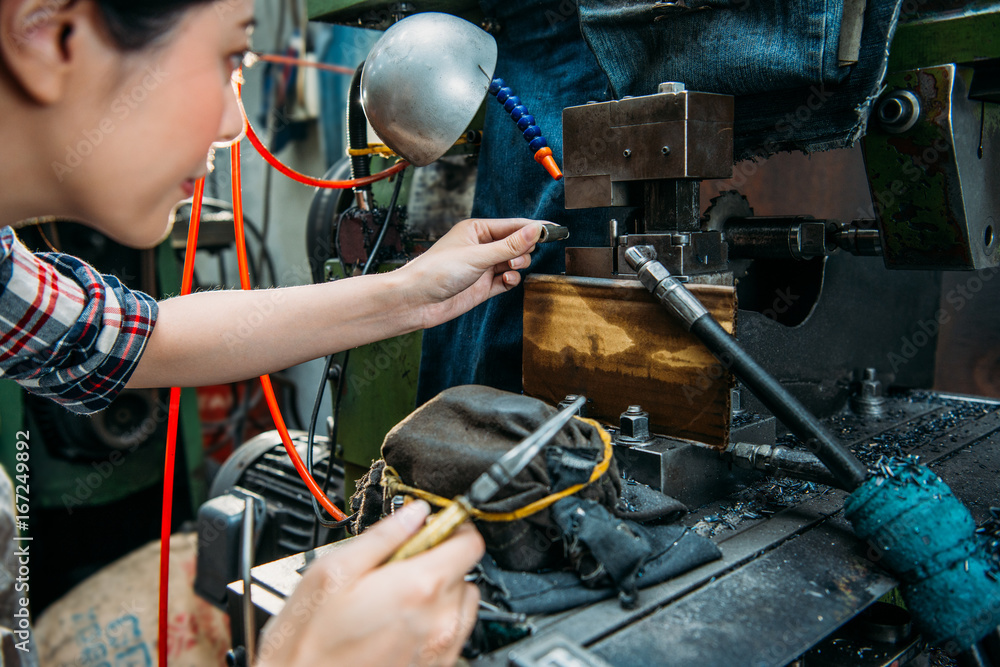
(405,300)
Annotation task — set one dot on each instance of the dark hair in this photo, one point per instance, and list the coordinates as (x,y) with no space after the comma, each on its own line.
(134,25)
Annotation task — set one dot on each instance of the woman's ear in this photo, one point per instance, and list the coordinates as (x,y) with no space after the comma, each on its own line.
(40,43)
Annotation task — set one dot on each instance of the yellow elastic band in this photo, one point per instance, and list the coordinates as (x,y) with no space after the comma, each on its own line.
(391,481)
(373,149)
(385,151)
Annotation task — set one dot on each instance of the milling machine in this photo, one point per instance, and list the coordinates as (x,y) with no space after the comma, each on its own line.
(845,314)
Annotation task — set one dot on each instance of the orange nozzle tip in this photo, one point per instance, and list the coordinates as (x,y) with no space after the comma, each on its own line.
(544,157)
(550,166)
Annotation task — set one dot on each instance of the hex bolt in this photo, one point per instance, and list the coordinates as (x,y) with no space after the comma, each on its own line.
(671,87)
(736,401)
(634,424)
(868,400)
(569,399)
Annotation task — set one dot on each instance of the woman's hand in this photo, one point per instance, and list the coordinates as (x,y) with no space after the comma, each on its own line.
(476,260)
(349,609)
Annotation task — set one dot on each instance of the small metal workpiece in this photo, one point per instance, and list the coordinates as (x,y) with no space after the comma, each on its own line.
(551,232)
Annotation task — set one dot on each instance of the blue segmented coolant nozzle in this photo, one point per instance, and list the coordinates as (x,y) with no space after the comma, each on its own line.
(526,123)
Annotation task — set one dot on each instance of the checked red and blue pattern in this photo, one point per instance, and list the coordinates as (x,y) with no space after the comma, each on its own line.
(67,332)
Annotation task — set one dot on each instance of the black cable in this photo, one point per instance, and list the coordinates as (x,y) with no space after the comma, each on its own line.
(843,465)
(385,225)
(311,436)
(686,307)
(268,261)
(317,510)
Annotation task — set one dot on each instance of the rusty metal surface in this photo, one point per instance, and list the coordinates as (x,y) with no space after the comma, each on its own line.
(935,199)
(610,340)
(670,135)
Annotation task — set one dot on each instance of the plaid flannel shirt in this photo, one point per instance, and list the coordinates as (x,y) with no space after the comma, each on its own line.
(66,331)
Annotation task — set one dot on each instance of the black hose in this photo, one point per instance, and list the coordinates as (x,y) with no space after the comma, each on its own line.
(320,521)
(843,465)
(310,439)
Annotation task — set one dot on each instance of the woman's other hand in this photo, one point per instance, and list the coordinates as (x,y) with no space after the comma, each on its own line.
(349,609)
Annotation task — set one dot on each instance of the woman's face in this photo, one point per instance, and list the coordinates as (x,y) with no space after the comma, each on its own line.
(146,122)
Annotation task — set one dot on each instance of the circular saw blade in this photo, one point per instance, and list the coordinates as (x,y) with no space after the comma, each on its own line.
(729,204)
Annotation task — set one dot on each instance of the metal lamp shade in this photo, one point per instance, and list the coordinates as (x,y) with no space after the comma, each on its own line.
(424,81)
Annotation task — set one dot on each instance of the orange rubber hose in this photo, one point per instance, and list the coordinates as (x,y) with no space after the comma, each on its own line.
(270,158)
(173,415)
(265,380)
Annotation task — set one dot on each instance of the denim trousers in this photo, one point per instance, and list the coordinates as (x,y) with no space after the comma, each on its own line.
(779,58)
(549,66)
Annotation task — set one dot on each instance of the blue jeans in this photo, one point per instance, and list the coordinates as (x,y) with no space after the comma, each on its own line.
(549,66)
(778,57)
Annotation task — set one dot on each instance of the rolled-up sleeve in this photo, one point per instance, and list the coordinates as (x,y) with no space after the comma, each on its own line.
(66,331)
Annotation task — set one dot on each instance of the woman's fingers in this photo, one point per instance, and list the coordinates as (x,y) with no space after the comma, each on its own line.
(446,645)
(376,545)
(518,263)
(455,556)
(489,230)
(512,246)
